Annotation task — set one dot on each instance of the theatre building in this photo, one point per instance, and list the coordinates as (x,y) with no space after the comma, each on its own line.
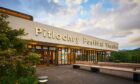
(58,46)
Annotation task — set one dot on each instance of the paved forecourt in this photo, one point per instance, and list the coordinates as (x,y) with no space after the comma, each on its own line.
(65,74)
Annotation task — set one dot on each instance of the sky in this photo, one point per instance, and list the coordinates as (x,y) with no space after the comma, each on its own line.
(115,20)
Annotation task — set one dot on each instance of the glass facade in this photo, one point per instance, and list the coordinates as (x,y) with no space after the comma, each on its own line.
(86,56)
(66,55)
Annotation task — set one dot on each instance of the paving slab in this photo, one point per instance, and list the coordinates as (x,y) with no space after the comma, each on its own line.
(65,74)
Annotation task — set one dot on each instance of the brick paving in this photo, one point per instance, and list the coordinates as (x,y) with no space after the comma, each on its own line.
(65,74)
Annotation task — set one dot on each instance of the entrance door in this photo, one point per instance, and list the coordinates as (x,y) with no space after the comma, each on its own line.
(45,56)
(52,57)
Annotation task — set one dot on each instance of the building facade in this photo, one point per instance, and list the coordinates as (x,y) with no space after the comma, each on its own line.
(59,46)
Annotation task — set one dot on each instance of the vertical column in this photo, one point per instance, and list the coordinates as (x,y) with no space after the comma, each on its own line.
(96,56)
(56,56)
(82,56)
(93,54)
(108,54)
(105,56)
(101,56)
(69,55)
(87,56)
(72,57)
(60,56)
(66,56)
(75,54)
(48,59)
(92,58)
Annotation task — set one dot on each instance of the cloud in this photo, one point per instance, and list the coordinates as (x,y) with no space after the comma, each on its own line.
(36,6)
(119,21)
(122,34)
(53,12)
(117,24)
(95,9)
(55,1)
(75,2)
(135,40)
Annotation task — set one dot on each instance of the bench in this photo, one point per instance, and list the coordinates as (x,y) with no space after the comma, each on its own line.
(126,65)
(117,71)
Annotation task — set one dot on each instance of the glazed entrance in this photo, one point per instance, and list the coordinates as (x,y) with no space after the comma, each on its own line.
(53,55)
(67,55)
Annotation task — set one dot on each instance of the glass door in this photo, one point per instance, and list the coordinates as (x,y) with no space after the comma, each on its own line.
(45,56)
(52,57)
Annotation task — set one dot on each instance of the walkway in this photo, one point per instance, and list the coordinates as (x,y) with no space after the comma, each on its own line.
(67,75)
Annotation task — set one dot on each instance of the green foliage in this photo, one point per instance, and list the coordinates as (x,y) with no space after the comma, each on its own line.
(24,70)
(28,80)
(9,80)
(13,68)
(129,56)
(33,58)
(9,38)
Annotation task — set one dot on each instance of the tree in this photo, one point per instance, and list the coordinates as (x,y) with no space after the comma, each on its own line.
(9,38)
(13,68)
(128,56)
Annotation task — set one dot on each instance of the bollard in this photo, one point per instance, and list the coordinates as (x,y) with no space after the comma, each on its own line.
(43,79)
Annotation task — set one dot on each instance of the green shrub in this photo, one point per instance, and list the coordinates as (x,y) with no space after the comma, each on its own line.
(33,58)
(128,56)
(12,49)
(28,80)
(8,80)
(24,70)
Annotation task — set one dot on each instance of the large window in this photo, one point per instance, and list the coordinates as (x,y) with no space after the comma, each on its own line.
(63,56)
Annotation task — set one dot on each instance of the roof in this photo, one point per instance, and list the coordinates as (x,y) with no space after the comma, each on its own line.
(15,13)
